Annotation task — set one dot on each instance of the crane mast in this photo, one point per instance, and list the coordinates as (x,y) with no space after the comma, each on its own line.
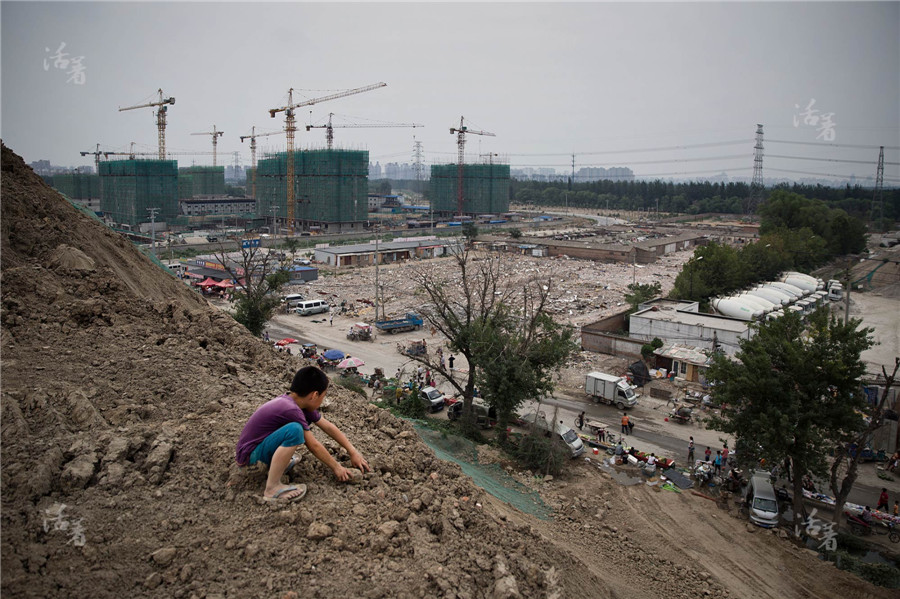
(160,119)
(461,142)
(253,135)
(290,127)
(215,137)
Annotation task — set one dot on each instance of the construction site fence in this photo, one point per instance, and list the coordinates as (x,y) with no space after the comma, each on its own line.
(329,185)
(485,188)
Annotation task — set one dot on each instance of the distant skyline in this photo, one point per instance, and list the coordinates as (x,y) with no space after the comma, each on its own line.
(673,90)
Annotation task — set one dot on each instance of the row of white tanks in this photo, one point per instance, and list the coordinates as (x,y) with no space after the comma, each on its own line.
(794,291)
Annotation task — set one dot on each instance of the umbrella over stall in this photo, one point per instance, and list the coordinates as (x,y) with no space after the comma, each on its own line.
(285,341)
(351,363)
(334,354)
(209,282)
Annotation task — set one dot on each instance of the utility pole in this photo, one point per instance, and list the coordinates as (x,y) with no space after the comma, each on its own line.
(847,306)
(633,265)
(153,212)
(274,209)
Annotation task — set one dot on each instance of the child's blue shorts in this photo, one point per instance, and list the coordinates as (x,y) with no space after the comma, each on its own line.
(289,435)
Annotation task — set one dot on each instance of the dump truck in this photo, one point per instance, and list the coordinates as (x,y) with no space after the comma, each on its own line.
(610,389)
(398,325)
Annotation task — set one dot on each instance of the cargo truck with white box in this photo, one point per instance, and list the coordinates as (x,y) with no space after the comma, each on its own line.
(610,389)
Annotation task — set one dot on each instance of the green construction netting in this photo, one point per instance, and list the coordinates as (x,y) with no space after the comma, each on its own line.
(490,477)
(485,188)
(205,180)
(329,185)
(131,187)
(77,186)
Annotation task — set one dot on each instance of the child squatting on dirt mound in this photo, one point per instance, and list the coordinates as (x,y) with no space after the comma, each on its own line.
(281,425)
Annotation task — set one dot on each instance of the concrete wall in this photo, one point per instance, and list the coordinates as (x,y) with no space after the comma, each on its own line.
(605,343)
(700,336)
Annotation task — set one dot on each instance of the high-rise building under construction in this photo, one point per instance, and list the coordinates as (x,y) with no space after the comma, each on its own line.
(330,188)
(485,188)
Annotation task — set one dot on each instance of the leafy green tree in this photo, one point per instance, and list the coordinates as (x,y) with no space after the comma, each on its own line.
(515,233)
(638,293)
(714,269)
(469,231)
(792,392)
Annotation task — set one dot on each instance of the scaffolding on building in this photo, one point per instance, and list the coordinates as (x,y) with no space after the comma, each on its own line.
(77,186)
(485,188)
(330,186)
(201,180)
(131,187)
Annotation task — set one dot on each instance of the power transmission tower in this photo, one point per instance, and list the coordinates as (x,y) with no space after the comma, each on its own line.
(757,189)
(877,196)
(417,157)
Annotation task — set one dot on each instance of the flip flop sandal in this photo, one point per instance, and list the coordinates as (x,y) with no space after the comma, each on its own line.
(277,498)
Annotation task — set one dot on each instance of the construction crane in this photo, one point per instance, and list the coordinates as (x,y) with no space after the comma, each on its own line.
(461,142)
(215,136)
(96,154)
(253,135)
(290,128)
(160,119)
(329,128)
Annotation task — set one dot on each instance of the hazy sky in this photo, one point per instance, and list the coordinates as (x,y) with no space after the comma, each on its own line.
(596,79)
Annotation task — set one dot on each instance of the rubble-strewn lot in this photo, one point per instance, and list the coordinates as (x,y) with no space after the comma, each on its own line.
(123,395)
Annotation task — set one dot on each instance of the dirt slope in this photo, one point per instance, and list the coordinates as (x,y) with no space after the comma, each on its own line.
(123,394)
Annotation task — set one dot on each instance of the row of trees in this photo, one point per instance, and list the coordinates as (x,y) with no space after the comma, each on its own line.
(795,233)
(693,197)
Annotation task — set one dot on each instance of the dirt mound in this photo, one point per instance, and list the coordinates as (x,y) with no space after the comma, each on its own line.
(123,396)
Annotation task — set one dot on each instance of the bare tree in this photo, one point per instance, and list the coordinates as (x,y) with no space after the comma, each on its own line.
(501,328)
(257,276)
(844,468)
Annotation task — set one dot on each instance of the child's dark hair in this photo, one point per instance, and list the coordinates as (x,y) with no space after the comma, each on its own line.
(309,379)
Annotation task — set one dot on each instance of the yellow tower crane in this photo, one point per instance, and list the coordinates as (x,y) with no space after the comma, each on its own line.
(160,119)
(461,142)
(329,128)
(290,127)
(215,136)
(253,135)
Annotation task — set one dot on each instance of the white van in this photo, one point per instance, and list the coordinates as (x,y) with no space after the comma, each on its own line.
(307,307)
(293,299)
(761,501)
(568,436)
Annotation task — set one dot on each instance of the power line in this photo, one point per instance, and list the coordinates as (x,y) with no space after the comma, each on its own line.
(812,143)
(778,170)
(830,159)
(657,149)
(710,158)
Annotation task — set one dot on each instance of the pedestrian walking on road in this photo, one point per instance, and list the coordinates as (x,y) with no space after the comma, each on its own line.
(882,500)
(451,362)
(691,451)
(331,321)
(266,336)
(725,453)
(706,454)
(718,463)
(624,424)
(580,421)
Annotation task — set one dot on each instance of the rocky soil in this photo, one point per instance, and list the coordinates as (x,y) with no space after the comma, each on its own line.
(123,393)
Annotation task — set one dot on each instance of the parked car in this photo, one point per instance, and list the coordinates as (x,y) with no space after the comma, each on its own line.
(564,433)
(485,415)
(432,398)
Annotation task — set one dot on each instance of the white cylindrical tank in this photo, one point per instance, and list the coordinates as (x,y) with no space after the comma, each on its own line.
(807,284)
(792,289)
(736,309)
(768,304)
(775,293)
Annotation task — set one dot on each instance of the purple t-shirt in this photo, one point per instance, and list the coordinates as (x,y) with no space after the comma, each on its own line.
(267,419)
